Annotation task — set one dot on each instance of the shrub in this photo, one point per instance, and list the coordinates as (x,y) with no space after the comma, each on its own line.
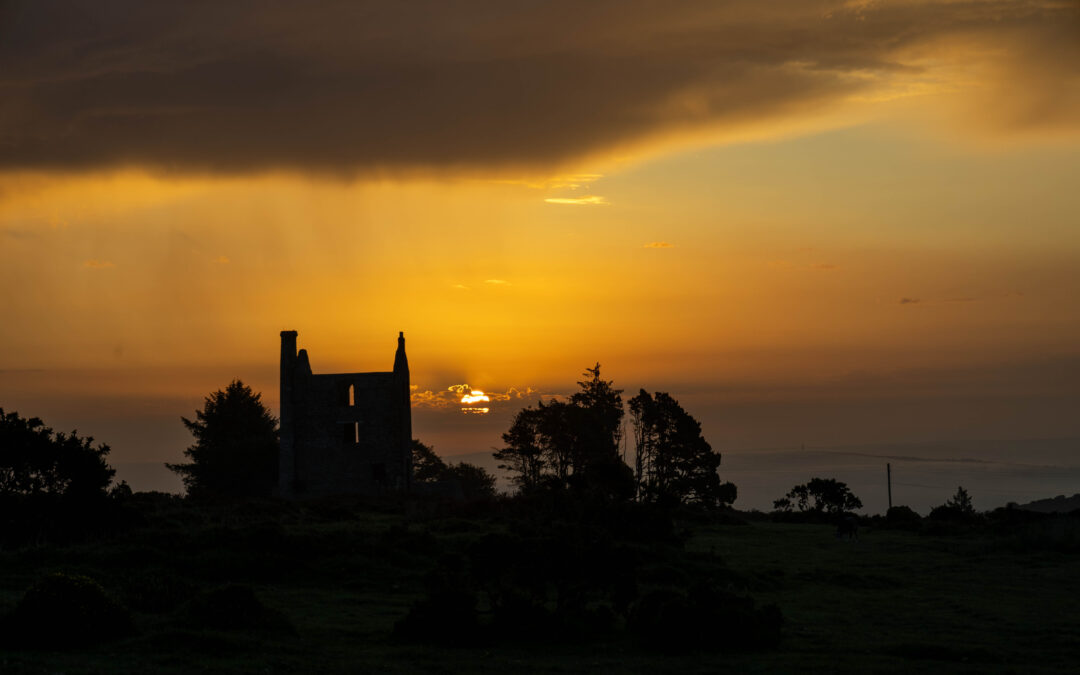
(156,591)
(949,513)
(902,518)
(235,607)
(63,611)
(703,619)
(521,618)
(446,617)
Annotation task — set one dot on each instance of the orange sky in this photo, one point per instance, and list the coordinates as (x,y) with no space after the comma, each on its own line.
(822,207)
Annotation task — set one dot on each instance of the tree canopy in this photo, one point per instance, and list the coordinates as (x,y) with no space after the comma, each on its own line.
(672,461)
(428,467)
(961,501)
(236,446)
(35,460)
(958,507)
(820,495)
(575,444)
(571,444)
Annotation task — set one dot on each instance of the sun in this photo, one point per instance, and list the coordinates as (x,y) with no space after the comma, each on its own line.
(474,396)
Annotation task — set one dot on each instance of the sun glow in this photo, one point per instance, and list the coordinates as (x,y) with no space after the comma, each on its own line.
(475,396)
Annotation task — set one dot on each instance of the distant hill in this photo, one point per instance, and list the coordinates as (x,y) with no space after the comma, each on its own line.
(1059,504)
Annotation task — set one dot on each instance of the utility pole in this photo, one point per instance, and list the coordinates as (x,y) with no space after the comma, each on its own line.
(888,479)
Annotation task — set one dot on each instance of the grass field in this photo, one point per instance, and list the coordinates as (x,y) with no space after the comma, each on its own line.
(890,602)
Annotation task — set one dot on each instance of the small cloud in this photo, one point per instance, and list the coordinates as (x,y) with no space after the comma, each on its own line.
(456,396)
(572,181)
(496,282)
(460,287)
(589,200)
(221,259)
(575,181)
(909,301)
(98,264)
(13,233)
(659,244)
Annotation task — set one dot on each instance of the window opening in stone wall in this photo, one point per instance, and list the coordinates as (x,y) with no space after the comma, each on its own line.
(350,433)
(352,395)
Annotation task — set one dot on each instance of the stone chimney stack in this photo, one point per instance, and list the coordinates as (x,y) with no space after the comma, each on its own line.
(401,362)
(401,379)
(286,438)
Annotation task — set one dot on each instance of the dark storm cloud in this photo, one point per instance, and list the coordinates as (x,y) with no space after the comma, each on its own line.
(347,86)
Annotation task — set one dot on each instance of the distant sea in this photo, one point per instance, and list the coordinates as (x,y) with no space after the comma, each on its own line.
(924,475)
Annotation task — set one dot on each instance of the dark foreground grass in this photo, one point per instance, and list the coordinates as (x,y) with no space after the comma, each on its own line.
(334,582)
(900,602)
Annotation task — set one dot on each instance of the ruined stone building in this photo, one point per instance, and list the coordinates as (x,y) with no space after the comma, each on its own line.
(347,433)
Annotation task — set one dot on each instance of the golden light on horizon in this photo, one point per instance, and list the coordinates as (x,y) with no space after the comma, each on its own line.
(469,397)
(474,396)
(589,200)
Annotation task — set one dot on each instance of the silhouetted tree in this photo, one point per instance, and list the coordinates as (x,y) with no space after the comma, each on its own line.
(572,444)
(475,481)
(427,466)
(600,427)
(34,460)
(524,456)
(673,461)
(821,495)
(961,501)
(958,507)
(236,446)
(597,413)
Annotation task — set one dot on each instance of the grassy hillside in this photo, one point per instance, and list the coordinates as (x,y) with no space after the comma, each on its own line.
(330,581)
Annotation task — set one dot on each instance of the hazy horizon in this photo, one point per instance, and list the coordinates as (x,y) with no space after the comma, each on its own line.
(767,445)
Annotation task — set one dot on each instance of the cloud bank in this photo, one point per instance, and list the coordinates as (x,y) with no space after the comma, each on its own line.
(355,86)
(451,397)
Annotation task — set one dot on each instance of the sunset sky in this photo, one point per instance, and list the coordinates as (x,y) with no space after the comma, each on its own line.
(811,222)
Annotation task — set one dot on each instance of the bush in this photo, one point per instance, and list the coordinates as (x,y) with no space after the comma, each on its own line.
(902,518)
(1020,530)
(446,617)
(703,619)
(156,591)
(521,618)
(950,514)
(63,611)
(236,607)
